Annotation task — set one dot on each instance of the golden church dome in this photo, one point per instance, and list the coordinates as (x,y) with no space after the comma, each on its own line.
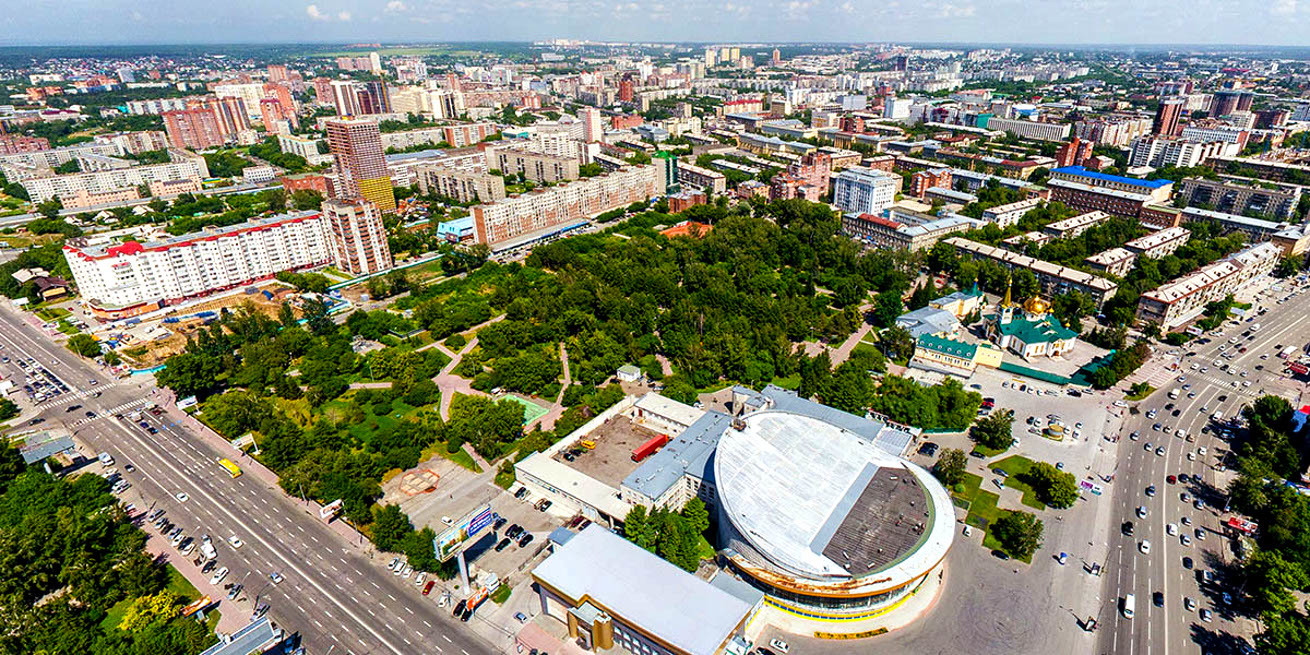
(1036,305)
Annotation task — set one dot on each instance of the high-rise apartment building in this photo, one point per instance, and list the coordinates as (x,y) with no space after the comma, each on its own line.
(359,239)
(1227,102)
(344,98)
(207,122)
(864,191)
(1073,153)
(592,128)
(1167,116)
(361,166)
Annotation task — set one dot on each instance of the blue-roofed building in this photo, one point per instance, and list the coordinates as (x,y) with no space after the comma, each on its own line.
(1157,190)
(456,230)
(929,320)
(682,469)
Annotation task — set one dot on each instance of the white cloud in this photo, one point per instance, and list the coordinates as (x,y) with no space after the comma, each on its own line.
(1283,8)
(952,10)
(396,6)
(317,14)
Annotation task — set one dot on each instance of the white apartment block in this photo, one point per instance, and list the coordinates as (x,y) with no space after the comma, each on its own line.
(1157,152)
(1159,244)
(1031,129)
(133,278)
(135,142)
(298,145)
(864,190)
(24,165)
(1216,133)
(189,166)
(1177,302)
(1006,215)
(250,94)
(506,223)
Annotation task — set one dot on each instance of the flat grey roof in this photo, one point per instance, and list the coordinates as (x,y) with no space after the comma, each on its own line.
(253,638)
(691,452)
(644,590)
(889,439)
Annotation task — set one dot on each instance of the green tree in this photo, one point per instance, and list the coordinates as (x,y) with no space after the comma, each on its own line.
(994,431)
(1271,580)
(696,516)
(886,308)
(391,528)
(161,607)
(951,467)
(189,374)
(84,345)
(1020,534)
(1053,486)
(8,409)
(638,528)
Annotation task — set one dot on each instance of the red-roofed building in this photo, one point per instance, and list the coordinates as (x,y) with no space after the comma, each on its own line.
(687,229)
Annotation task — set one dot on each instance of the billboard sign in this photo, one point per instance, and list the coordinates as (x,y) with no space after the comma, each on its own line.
(449,542)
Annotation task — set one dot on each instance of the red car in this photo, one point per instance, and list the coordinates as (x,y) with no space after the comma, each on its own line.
(427,588)
(1173,479)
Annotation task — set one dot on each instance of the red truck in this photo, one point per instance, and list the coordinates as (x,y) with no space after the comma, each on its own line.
(647,449)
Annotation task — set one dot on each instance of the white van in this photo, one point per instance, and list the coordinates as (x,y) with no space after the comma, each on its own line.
(1218,417)
(1173,394)
(106,459)
(1130,606)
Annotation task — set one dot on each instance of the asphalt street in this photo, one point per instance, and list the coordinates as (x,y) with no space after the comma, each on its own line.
(334,594)
(1172,512)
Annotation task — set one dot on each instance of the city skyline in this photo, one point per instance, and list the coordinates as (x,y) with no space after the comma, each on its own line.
(1099,22)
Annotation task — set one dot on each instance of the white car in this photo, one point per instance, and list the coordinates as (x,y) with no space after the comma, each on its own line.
(1189,604)
(420,578)
(1187,541)
(1171,529)
(181,495)
(1141,512)
(779,644)
(275,577)
(235,541)
(1201,451)
(447,520)
(218,576)
(1145,547)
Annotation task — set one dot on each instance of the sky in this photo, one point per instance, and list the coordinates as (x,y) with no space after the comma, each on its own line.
(61,22)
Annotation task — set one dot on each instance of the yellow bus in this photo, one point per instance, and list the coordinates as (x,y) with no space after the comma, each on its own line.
(232,469)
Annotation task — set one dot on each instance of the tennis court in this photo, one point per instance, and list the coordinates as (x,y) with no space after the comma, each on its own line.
(531,411)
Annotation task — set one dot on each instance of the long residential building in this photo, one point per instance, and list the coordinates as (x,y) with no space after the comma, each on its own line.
(1268,199)
(887,233)
(1158,152)
(1072,227)
(1159,244)
(712,182)
(534,166)
(462,185)
(1030,129)
(1054,278)
(1177,302)
(519,219)
(187,166)
(458,135)
(1008,214)
(133,278)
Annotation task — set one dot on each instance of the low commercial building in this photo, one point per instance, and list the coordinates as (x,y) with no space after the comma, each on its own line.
(941,355)
(1115,261)
(1072,227)
(1157,190)
(948,196)
(929,321)
(1270,200)
(1159,244)
(1054,279)
(1008,214)
(1175,303)
(1030,129)
(1293,239)
(613,594)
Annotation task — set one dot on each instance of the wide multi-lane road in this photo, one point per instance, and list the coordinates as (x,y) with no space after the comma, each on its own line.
(1175,567)
(337,596)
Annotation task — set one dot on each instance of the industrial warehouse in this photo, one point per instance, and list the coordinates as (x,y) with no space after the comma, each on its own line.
(819,515)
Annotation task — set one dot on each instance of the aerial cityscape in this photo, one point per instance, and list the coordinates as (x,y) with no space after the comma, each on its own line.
(799,328)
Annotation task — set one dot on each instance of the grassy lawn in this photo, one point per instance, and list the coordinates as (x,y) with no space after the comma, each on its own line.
(987,452)
(704,550)
(980,503)
(52,314)
(1017,466)
(864,346)
(791,382)
(504,479)
(501,594)
(459,457)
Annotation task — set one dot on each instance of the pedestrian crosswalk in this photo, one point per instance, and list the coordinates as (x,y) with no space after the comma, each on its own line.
(139,402)
(73,395)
